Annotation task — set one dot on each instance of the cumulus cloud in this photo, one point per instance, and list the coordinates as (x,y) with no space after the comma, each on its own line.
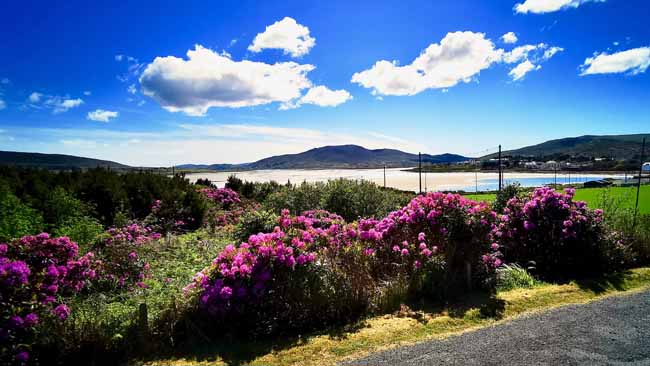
(509,37)
(321,96)
(287,35)
(101,115)
(633,61)
(458,57)
(528,57)
(549,6)
(35,97)
(209,79)
(522,69)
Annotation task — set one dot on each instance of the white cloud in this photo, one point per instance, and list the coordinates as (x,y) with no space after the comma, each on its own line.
(459,57)
(131,89)
(287,35)
(207,79)
(548,6)
(35,97)
(101,115)
(522,69)
(87,93)
(3,105)
(633,61)
(324,97)
(64,105)
(521,53)
(509,37)
(551,52)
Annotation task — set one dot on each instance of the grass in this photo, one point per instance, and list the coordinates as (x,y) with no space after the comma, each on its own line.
(595,197)
(410,326)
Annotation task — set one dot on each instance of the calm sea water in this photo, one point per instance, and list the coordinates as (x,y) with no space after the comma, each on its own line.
(398,178)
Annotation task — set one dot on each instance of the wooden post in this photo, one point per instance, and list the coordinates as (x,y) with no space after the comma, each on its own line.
(638,185)
(143,327)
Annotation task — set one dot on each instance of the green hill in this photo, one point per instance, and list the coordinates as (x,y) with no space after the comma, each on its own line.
(54,161)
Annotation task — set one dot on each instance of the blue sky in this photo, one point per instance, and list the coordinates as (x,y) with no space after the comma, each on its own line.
(206,82)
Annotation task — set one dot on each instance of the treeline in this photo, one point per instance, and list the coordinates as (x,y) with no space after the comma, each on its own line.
(79,203)
(350,199)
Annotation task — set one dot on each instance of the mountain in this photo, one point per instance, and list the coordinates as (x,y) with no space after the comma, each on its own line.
(613,146)
(342,156)
(54,161)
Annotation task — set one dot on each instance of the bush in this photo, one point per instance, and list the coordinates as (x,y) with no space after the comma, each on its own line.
(504,195)
(83,230)
(37,273)
(562,237)
(16,218)
(254,222)
(513,276)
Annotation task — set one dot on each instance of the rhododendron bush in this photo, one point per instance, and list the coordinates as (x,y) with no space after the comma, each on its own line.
(317,246)
(560,237)
(37,274)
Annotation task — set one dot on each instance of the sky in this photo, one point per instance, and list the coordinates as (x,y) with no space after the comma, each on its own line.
(150,83)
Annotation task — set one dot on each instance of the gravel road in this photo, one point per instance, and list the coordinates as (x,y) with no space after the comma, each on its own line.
(612,331)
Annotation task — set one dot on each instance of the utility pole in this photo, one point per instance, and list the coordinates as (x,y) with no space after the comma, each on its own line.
(425,182)
(555,170)
(500,170)
(476,181)
(384,175)
(638,185)
(420,170)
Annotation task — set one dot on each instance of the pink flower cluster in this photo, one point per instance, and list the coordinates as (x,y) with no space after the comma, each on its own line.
(550,229)
(428,226)
(133,233)
(224,197)
(121,265)
(241,274)
(36,273)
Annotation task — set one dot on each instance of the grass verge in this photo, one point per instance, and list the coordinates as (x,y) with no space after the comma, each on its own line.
(411,326)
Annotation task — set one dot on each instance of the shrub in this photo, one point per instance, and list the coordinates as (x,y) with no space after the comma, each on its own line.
(513,276)
(37,273)
(83,230)
(16,218)
(223,197)
(254,222)
(504,195)
(562,237)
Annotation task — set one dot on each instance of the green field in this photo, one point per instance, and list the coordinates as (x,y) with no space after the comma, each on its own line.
(594,197)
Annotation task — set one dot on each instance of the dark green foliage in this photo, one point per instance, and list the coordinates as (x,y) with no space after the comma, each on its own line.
(105,195)
(349,198)
(506,193)
(254,222)
(16,218)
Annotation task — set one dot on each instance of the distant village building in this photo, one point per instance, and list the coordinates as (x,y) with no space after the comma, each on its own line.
(550,165)
(646,166)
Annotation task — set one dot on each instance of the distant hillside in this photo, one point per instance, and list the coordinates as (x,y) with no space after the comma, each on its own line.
(343,156)
(54,161)
(614,146)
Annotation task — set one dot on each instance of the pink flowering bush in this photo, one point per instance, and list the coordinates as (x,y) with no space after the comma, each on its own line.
(433,232)
(277,280)
(120,261)
(559,236)
(224,197)
(315,267)
(37,273)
